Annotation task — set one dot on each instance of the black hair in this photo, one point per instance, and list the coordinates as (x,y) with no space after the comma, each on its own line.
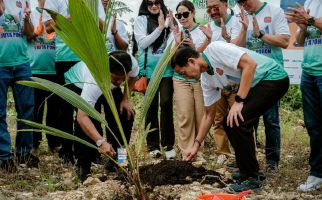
(182,55)
(189,5)
(120,61)
(153,22)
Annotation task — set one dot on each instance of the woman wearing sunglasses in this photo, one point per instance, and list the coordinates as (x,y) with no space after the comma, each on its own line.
(188,92)
(151,35)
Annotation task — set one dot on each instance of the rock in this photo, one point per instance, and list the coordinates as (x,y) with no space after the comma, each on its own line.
(195,188)
(91,181)
(197,164)
(195,183)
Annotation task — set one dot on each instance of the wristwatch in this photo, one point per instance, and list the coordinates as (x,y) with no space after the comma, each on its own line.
(99,142)
(238,99)
(261,34)
(311,21)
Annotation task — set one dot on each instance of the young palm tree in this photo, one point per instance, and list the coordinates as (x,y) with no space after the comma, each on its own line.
(84,17)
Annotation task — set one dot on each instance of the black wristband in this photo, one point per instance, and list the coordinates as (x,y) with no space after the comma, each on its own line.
(238,99)
(115,32)
(197,141)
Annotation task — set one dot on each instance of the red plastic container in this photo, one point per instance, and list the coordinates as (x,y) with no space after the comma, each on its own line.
(223,196)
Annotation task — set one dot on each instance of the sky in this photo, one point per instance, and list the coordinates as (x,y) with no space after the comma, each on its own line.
(135,4)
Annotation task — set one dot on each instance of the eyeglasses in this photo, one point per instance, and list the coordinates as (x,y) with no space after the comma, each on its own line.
(241,1)
(210,9)
(183,14)
(151,3)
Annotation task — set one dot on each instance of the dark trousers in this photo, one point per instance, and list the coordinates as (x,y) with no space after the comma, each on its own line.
(260,98)
(165,96)
(271,120)
(86,155)
(41,97)
(65,110)
(311,87)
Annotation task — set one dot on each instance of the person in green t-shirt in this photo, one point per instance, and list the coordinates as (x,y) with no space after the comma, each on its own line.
(15,30)
(309,35)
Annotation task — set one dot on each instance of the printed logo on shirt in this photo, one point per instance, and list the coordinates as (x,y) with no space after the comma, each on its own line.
(41,43)
(19,4)
(256,44)
(267,19)
(313,37)
(10,27)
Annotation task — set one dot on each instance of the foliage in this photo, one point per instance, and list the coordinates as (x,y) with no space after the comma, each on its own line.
(292,100)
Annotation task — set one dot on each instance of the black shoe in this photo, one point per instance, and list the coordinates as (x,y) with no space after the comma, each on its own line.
(110,166)
(237,176)
(30,160)
(67,158)
(83,172)
(272,168)
(249,184)
(8,165)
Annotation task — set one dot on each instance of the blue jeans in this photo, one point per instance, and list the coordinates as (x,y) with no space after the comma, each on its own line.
(24,104)
(272,134)
(311,88)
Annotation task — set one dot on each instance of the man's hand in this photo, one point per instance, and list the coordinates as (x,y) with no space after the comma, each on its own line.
(191,153)
(207,31)
(106,148)
(234,113)
(255,26)
(224,32)
(244,19)
(189,41)
(26,14)
(113,27)
(299,16)
(125,106)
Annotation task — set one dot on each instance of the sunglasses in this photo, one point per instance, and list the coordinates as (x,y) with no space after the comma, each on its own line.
(151,3)
(210,9)
(183,14)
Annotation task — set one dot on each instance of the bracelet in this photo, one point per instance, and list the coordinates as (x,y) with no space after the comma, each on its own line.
(115,32)
(197,141)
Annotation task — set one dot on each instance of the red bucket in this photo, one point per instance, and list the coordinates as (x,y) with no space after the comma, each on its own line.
(223,196)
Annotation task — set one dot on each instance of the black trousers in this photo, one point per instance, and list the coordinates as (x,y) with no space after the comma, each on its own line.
(86,155)
(165,97)
(260,98)
(65,110)
(40,97)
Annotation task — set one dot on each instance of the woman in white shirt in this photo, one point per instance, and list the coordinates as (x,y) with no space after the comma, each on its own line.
(151,36)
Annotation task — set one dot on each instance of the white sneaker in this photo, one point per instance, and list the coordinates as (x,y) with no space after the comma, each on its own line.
(312,183)
(170,155)
(221,159)
(155,153)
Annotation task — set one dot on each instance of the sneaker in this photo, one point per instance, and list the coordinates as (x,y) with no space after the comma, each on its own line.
(30,160)
(155,153)
(170,155)
(272,168)
(312,183)
(249,184)
(222,159)
(237,176)
(83,172)
(8,165)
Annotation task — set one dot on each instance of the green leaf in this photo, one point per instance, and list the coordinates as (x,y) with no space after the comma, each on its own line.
(56,132)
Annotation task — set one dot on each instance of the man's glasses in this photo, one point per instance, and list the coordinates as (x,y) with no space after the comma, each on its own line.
(241,1)
(151,3)
(183,14)
(211,9)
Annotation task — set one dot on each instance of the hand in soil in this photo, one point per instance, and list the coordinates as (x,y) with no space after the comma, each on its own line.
(191,153)
(106,148)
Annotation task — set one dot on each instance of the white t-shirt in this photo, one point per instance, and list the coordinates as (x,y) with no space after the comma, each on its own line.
(223,60)
(110,40)
(272,21)
(216,28)
(141,35)
(16,8)
(91,92)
